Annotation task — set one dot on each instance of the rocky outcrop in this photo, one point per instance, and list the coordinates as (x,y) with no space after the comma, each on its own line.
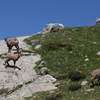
(16,84)
(98,21)
(52,27)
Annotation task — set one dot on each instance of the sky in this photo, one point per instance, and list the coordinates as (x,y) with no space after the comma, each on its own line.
(26,17)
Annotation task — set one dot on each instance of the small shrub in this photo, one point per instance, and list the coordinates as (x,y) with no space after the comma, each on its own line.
(74,86)
(55,46)
(55,96)
(76,75)
(60,76)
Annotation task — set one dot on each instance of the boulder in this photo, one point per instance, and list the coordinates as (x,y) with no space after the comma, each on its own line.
(37,47)
(98,21)
(52,27)
(83,83)
(98,53)
(34,42)
(44,71)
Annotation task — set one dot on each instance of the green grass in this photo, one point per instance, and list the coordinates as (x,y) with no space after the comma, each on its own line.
(28,40)
(66,51)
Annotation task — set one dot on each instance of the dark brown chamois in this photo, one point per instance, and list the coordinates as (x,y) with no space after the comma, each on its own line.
(12,42)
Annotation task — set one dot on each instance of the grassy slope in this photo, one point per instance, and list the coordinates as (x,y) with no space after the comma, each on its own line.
(67,50)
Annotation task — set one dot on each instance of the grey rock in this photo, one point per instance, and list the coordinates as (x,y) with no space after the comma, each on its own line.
(98,21)
(98,53)
(89,90)
(35,42)
(37,47)
(44,71)
(52,27)
(83,83)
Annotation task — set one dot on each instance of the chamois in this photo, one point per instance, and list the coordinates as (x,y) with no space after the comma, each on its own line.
(14,56)
(95,76)
(12,42)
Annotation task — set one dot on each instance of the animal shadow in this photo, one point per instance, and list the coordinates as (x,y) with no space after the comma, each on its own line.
(12,66)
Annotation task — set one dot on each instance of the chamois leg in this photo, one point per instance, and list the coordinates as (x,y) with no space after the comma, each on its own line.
(7,62)
(92,83)
(17,47)
(9,49)
(98,80)
(14,63)
(16,66)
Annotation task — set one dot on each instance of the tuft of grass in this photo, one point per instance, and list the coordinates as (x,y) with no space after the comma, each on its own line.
(34,37)
(74,86)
